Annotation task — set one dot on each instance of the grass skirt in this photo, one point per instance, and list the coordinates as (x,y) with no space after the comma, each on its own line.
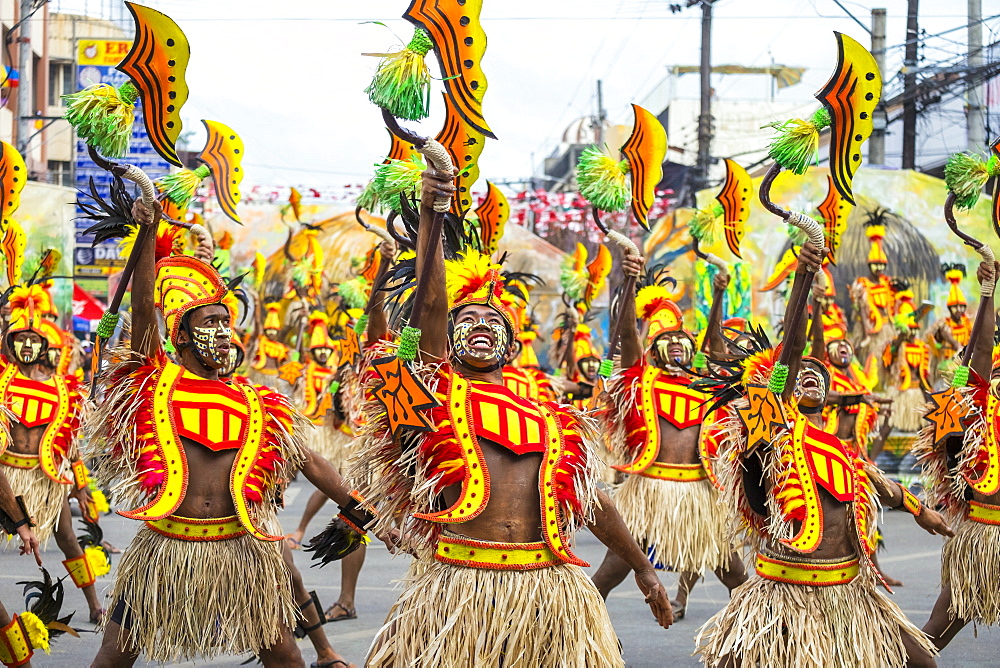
(330,443)
(970,564)
(43,497)
(189,599)
(908,408)
(683,523)
(769,623)
(479,618)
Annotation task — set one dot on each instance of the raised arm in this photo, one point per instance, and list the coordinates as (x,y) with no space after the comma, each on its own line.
(809,258)
(982,352)
(713,332)
(630,344)
(378,324)
(433,316)
(818,347)
(145,333)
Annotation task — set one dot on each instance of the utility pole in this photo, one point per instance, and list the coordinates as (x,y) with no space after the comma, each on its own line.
(976,124)
(876,145)
(910,87)
(705,118)
(25,66)
(601,115)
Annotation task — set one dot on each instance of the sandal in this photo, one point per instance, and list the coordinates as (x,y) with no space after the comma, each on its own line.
(301,630)
(351,613)
(292,543)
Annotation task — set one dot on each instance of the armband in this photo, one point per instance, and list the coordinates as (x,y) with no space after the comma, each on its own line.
(346,533)
(80,474)
(910,503)
(9,524)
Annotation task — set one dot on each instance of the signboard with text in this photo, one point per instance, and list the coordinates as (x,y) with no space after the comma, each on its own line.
(96,61)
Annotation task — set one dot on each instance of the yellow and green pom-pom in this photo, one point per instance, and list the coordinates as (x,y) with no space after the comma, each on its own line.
(779,376)
(797,144)
(402,83)
(396,178)
(368,199)
(102,116)
(354,292)
(409,343)
(98,560)
(961,377)
(966,176)
(601,179)
(704,224)
(180,187)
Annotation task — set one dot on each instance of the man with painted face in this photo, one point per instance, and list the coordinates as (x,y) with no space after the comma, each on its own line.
(199,460)
(270,353)
(487,501)
(951,333)
(41,459)
(808,506)
(655,423)
(873,296)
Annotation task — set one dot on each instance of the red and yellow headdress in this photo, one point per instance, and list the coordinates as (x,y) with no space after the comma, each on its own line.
(473,278)
(954,275)
(654,305)
(28,305)
(319,335)
(184,283)
(527,356)
(273,319)
(583,343)
(876,233)
(906,310)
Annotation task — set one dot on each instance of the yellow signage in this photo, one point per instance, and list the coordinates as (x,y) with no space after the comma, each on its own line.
(102,52)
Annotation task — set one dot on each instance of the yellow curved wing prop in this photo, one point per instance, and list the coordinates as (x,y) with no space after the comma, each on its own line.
(834,211)
(156,64)
(645,151)
(398,149)
(597,274)
(224,154)
(786,265)
(464,144)
(850,96)
(459,42)
(493,214)
(13,243)
(735,202)
(13,177)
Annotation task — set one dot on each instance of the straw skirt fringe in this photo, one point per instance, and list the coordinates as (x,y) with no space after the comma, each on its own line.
(187,599)
(478,618)
(43,497)
(908,408)
(331,444)
(970,564)
(682,522)
(774,624)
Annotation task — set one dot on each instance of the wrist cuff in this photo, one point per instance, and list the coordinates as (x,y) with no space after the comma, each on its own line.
(910,503)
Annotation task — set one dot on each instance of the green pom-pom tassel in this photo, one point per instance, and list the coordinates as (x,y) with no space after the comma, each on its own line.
(966,176)
(106,327)
(361,325)
(601,179)
(961,378)
(354,292)
(102,116)
(797,144)
(700,360)
(368,199)
(395,178)
(607,366)
(409,342)
(402,83)
(704,224)
(779,375)
(181,186)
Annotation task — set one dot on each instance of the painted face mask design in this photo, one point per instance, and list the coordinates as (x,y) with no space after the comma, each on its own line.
(809,380)
(204,344)
(465,334)
(664,344)
(26,350)
(232,361)
(322,355)
(589,367)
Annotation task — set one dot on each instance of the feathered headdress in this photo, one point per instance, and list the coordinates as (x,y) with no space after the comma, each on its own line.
(272,319)
(28,305)
(875,231)
(319,335)
(473,278)
(654,305)
(954,273)
(750,360)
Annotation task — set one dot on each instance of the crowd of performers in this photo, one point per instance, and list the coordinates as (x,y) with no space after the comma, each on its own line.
(425,400)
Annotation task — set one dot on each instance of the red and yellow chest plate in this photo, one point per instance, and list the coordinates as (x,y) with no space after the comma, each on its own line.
(847,382)
(831,466)
(834,323)
(520,382)
(268,349)
(209,412)
(33,402)
(961,330)
(879,293)
(317,381)
(506,419)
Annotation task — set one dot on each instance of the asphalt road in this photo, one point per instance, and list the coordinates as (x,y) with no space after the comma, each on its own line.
(911,555)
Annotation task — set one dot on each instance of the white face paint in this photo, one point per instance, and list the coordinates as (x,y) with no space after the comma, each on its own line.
(480,343)
(27,347)
(205,344)
(674,351)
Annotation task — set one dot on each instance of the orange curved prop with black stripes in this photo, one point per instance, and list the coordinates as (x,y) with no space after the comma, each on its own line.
(996,192)
(459,42)
(14,243)
(834,211)
(398,149)
(156,64)
(597,274)
(13,177)
(369,269)
(493,214)
(645,151)
(850,96)
(735,202)
(223,155)
(464,144)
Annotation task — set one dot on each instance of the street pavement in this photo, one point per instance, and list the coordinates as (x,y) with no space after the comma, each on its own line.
(911,555)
